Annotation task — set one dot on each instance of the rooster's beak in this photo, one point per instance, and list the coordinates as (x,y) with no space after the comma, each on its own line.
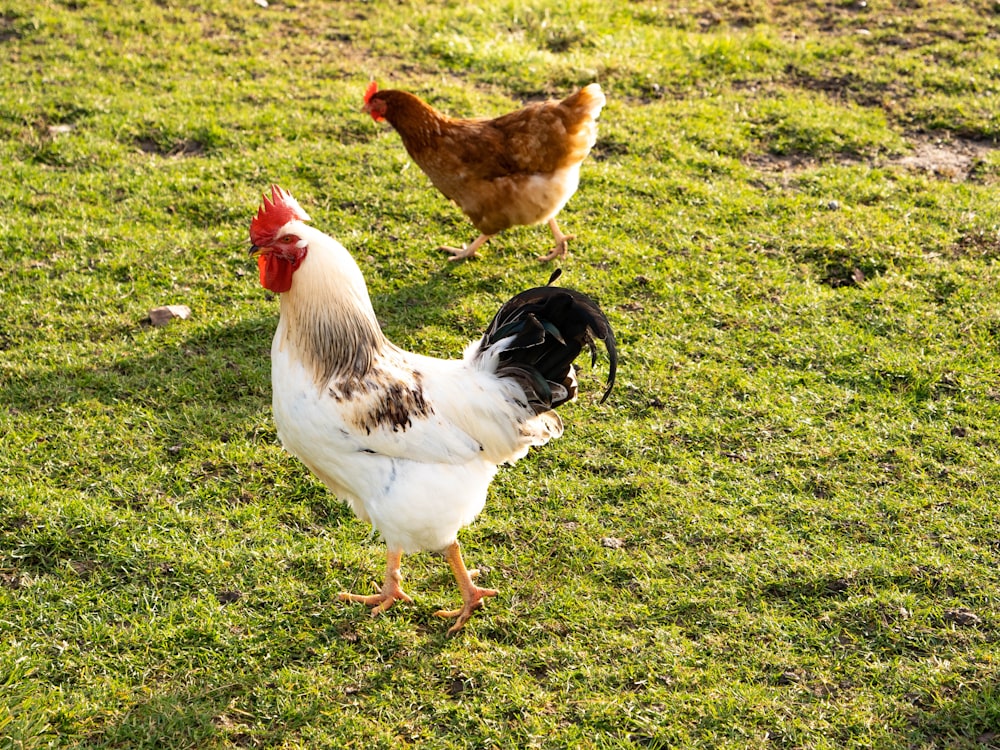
(255,250)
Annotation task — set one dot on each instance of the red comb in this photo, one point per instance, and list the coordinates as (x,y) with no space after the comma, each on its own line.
(372,88)
(273,214)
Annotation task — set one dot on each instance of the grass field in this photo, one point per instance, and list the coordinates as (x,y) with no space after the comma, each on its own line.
(781,531)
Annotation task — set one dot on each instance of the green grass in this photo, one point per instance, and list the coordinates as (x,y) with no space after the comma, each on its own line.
(779,532)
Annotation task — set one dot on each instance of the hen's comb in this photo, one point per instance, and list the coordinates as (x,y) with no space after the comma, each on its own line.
(273,214)
(370,91)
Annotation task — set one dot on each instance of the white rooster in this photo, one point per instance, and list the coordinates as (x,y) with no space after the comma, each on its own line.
(410,442)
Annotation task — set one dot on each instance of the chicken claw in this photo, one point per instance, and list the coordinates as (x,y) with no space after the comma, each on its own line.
(390,591)
(460,253)
(561,243)
(472,595)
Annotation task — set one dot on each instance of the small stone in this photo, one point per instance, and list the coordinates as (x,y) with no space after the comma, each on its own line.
(160,316)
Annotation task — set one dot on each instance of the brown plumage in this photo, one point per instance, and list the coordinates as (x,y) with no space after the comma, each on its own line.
(518,169)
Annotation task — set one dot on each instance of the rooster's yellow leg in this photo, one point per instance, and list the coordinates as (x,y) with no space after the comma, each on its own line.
(458,253)
(472,595)
(561,239)
(390,591)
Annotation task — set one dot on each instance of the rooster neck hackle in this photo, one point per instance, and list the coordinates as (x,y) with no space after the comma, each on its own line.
(328,317)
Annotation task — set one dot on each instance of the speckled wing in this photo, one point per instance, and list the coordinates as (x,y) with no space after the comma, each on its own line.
(434,411)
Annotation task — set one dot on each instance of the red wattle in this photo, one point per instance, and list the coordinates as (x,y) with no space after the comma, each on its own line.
(275,272)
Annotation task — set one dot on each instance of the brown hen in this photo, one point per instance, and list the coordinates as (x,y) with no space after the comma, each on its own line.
(518,169)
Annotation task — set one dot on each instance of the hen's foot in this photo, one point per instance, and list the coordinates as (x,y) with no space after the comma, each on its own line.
(561,242)
(459,253)
(559,250)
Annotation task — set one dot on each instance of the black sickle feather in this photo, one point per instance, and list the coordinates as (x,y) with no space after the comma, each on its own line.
(549,327)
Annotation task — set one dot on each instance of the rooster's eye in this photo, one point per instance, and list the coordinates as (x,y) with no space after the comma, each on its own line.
(286,239)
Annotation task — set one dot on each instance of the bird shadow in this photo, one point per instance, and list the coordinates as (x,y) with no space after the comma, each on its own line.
(223,365)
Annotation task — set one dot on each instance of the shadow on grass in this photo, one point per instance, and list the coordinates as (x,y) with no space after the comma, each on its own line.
(218,366)
(268,703)
(144,423)
(222,366)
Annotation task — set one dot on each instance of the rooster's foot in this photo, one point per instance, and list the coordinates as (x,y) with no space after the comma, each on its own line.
(390,591)
(474,602)
(472,595)
(379,602)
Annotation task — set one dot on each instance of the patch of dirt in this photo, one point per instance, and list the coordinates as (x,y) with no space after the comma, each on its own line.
(786,163)
(11,579)
(976,242)
(954,159)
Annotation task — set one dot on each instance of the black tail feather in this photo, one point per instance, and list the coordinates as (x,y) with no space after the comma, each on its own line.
(549,327)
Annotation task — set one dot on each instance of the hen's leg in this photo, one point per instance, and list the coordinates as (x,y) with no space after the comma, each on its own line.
(391,590)
(561,239)
(458,253)
(472,595)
